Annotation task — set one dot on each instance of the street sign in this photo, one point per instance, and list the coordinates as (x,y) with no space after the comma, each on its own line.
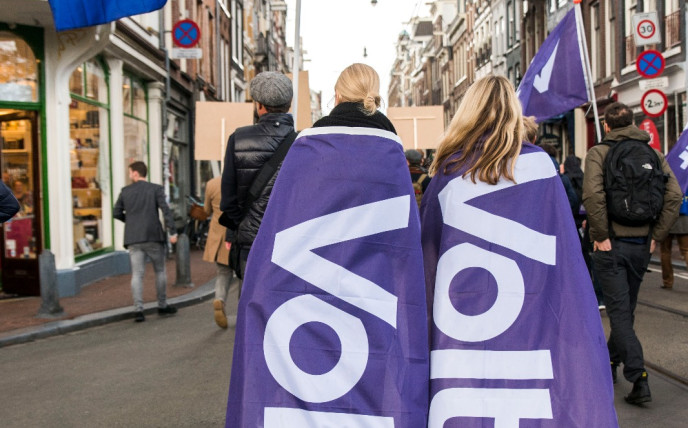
(650,64)
(646,29)
(186,53)
(186,34)
(654,103)
(659,83)
(648,126)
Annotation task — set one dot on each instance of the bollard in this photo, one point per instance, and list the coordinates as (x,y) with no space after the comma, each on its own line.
(183,262)
(50,307)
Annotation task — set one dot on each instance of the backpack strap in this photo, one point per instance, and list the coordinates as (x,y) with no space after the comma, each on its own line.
(422,178)
(267,171)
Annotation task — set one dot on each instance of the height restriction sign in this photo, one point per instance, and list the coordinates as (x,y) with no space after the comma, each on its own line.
(654,103)
(646,29)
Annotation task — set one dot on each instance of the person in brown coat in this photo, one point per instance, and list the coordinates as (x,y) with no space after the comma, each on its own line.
(216,251)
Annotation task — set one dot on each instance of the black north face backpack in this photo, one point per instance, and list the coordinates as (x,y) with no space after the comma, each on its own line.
(634,183)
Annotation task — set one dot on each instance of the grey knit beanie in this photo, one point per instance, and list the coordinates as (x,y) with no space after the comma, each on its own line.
(271,89)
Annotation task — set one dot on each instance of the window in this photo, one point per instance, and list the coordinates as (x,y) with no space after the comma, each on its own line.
(135,122)
(19,70)
(89,118)
(237,32)
(610,37)
(595,38)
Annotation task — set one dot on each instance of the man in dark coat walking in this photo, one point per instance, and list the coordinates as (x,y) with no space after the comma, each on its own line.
(248,149)
(137,206)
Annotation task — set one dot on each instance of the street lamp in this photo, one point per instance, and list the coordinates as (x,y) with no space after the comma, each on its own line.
(373,2)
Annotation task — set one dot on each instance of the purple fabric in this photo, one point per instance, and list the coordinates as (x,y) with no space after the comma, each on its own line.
(678,160)
(558,318)
(554,83)
(70,14)
(323,175)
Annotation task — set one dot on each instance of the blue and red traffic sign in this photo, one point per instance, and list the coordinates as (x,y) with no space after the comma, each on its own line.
(186,34)
(650,64)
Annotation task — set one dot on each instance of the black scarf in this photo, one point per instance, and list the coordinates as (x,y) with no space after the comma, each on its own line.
(352,114)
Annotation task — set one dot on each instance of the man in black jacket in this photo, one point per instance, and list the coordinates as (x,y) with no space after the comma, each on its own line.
(248,149)
(137,206)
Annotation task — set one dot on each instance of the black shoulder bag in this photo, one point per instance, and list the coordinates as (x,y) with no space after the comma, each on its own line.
(266,172)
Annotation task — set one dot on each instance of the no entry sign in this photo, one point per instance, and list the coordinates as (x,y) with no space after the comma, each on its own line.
(650,64)
(186,34)
(654,103)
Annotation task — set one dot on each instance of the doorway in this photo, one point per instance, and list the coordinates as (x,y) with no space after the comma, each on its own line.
(21,240)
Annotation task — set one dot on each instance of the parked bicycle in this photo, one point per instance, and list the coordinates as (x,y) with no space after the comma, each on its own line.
(197,224)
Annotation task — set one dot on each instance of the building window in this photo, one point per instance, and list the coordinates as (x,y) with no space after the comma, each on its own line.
(89,118)
(595,39)
(19,70)
(610,37)
(237,32)
(135,122)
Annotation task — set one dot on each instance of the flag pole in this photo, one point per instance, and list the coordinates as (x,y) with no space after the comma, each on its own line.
(585,59)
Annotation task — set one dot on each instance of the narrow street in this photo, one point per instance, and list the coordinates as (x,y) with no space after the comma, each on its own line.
(175,371)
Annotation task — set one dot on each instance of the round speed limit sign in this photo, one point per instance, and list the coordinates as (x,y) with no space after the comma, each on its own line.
(654,103)
(646,29)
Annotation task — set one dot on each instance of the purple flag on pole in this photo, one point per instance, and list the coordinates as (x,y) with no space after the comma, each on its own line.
(678,160)
(516,334)
(555,81)
(332,324)
(70,14)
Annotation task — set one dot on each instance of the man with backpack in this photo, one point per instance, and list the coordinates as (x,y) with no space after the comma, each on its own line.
(632,198)
(419,175)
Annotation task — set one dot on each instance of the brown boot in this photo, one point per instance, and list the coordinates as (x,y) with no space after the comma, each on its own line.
(220,317)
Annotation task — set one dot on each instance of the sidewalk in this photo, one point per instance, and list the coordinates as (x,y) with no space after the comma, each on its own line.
(101,302)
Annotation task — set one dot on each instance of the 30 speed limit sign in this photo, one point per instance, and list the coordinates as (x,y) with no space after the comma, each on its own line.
(645,29)
(653,103)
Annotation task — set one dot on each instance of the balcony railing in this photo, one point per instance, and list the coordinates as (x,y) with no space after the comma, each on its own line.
(672,27)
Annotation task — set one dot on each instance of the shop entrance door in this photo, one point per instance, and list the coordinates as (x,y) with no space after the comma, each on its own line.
(20,240)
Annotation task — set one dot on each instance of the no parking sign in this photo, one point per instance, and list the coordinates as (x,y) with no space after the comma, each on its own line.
(186,34)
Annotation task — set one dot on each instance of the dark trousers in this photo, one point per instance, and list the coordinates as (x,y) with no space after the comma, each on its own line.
(620,272)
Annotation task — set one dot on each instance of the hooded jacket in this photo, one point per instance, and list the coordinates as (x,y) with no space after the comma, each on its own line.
(594,196)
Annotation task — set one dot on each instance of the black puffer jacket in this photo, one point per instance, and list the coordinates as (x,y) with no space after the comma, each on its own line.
(247,150)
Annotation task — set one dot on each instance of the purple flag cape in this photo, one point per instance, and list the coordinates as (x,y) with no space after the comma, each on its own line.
(516,335)
(555,82)
(70,14)
(332,323)
(678,160)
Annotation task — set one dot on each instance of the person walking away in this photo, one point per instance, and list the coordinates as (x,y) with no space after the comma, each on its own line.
(679,231)
(499,276)
(248,150)
(217,252)
(339,244)
(137,206)
(622,240)
(419,175)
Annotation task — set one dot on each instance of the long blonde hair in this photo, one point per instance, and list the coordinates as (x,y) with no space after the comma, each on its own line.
(486,132)
(360,83)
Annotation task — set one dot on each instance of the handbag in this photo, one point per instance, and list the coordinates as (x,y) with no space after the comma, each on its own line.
(684,206)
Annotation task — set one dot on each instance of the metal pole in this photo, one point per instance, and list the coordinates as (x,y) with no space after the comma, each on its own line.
(297,65)
(585,58)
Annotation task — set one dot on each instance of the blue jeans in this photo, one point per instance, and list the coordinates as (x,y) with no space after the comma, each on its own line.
(620,272)
(137,254)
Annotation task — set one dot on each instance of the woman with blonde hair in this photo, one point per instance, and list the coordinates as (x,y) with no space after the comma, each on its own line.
(332,326)
(509,298)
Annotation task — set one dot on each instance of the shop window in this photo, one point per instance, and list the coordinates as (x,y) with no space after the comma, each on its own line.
(18,70)
(135,122)
(89,159)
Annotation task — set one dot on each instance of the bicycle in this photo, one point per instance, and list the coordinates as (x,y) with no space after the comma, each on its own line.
(197,224)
